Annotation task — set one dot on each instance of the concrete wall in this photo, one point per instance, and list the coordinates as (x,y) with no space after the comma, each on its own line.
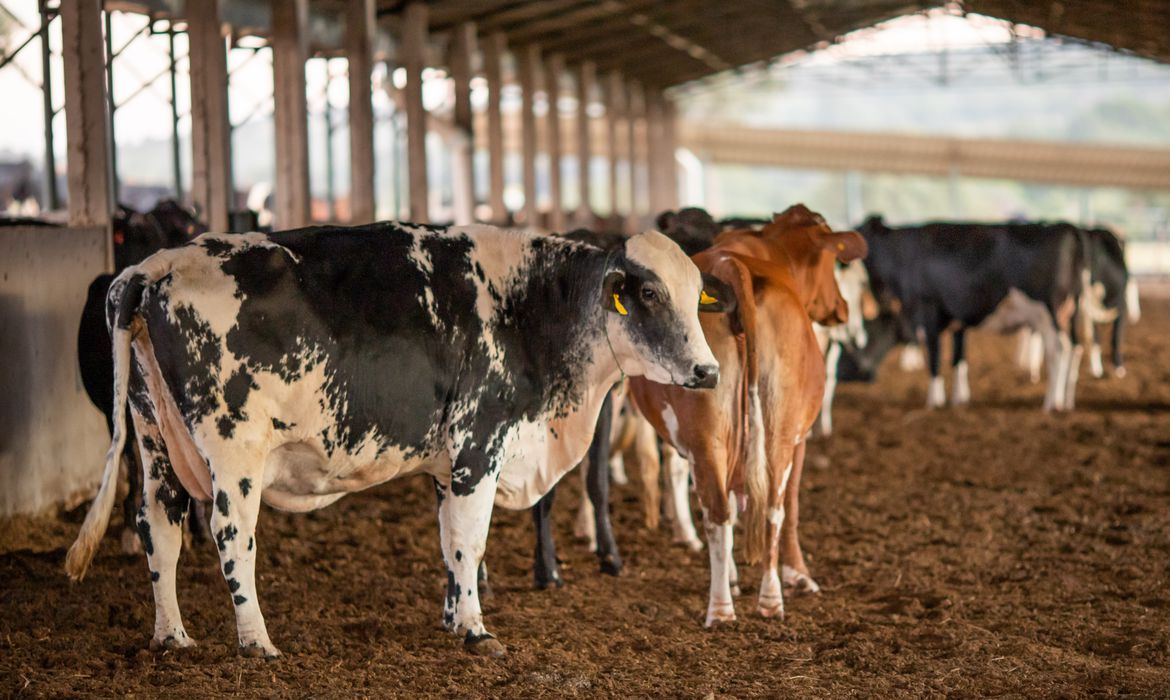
(52,440)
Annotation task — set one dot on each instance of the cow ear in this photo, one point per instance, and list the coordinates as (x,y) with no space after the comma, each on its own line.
(846,245)
(717,296)
(665,221)
(612,292)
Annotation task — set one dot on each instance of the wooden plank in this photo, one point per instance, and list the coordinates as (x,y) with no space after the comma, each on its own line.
(670,144)
(290,50)
(654,150)
(462,51)
(87,118)
(553,69)
(211,134)
(528,65)
(586,78)
(359,43)
(493,52)
(413,56)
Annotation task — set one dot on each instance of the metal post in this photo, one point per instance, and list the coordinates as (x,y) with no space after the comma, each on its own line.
(114,188)
(52,199)
(176,165)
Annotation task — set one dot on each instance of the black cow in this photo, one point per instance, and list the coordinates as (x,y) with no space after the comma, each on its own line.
(136,236)
(1110,297)
(297,367)
(995,276)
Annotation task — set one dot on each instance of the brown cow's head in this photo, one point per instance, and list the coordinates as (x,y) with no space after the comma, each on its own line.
(813,248)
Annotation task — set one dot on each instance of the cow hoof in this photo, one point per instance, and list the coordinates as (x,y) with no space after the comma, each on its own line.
(1119,372)
(484,645)
(770,610)
(171,643)
(542,583)
(720,614)
(611,565)
(695,544)
(735,590)
(130,542)
(798,582)
(256,650)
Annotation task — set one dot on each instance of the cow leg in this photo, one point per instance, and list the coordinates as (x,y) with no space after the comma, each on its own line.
(960,389)
(160,526)
(644,452)
(1072,373)
(832,358)
(233,521)
(678,477)
(771,600)
(544,568)
(936,395)
(1057,354)
(585,528)
(1115,342)
(1096,365)
(720,605)
(597,484)
(1036,355)
(465,512)
(131,542)
(795,570)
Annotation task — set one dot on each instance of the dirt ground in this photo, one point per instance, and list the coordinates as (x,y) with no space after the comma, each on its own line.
(992,550)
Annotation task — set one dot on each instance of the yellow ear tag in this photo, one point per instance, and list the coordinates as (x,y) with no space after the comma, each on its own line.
(618,305)
(705,298)
(840,246)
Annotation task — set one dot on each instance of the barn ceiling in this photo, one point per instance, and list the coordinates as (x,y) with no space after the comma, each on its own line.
(667,42)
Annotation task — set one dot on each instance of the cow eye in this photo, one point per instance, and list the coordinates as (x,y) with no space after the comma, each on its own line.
(649,295)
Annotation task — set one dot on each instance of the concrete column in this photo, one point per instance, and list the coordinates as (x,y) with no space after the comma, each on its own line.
(615,101)
(290,50)
(529,65)
(211,133)
(654,150)
(359,42)
(414,59)
(462,53)
(493,52)
(586,77)
(87,118)
(634,111)
(552,79)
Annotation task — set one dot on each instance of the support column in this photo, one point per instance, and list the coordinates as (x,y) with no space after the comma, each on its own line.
(553,69)
(670,145)
(359,43)
(463,47)
(615,100)
(654,150)
(211,134)
(86,115)
(414,45)
(529,64)
(290,50)
(493,52)
(634,109)
(586,76)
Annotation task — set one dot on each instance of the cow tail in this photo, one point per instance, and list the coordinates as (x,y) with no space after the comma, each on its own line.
(753,456)
(121,305)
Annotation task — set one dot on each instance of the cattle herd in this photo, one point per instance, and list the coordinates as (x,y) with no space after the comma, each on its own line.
(292,368)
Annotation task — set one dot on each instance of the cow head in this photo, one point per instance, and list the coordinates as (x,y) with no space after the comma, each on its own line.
(692,228)
(653,292)
(814,249)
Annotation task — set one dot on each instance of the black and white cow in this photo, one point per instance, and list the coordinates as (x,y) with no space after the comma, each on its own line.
(1109,296)
(998,277)
(294,368)
(136,236)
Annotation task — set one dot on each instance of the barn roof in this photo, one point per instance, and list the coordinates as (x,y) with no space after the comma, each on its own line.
(662,44)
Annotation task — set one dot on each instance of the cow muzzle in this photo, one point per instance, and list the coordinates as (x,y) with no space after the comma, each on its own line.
(703,377)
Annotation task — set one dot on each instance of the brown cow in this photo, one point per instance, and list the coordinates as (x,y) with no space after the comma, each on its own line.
(745,439)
